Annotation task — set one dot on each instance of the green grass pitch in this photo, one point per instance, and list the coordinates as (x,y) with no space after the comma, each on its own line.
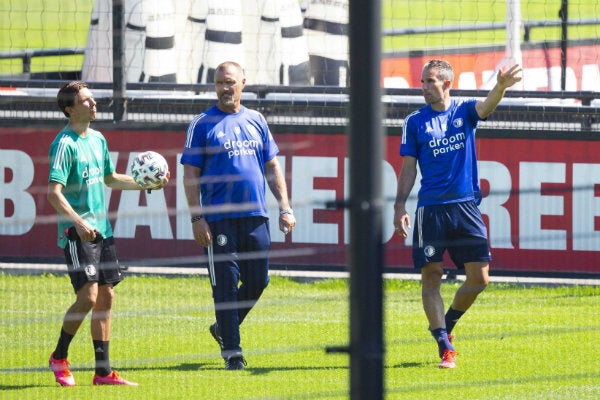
(517,342)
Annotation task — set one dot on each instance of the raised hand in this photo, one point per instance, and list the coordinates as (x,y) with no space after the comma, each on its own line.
(510,77)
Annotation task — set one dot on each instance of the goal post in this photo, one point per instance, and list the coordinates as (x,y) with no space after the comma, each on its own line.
(512,55)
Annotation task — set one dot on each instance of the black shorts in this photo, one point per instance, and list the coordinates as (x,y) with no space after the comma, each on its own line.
(92,261)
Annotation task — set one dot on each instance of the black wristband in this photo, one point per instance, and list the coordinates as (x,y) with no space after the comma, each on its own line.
(197,218)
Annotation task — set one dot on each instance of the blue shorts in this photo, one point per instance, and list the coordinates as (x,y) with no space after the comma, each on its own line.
(456,227)
(91,261)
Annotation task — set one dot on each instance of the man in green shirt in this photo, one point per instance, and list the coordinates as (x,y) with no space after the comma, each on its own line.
(80,165)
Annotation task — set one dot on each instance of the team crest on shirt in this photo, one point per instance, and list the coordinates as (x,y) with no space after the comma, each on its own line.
(90,270)
(221,240)
(458,122)
(429,251)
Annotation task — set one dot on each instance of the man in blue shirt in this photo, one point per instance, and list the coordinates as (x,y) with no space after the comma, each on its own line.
(440,137)
(228,153)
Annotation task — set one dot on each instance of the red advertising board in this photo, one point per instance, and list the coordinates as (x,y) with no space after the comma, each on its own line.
(542,203)
(475,70)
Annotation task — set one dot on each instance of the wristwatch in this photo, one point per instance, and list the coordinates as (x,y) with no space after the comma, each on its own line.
(197,218)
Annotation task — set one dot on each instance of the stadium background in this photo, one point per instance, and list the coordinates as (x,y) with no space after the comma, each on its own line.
(537,161)
(537,152)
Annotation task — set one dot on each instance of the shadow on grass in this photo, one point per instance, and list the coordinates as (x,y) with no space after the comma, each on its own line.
(250,369)
(16,387)
(216,366)
(264,371)
(409,365)
(183,367)
(180,367)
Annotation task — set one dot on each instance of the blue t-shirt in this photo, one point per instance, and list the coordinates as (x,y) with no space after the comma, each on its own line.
(230,150)
(444,145)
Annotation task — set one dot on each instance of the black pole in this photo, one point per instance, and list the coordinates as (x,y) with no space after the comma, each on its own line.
(564,18)
(366,248)
(119,77)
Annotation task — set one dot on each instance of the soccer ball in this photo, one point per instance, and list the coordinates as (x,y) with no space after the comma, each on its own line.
(149,169)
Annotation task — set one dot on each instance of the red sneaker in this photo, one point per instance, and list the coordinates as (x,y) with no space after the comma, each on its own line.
(448,359)
(111,379)
(62,374)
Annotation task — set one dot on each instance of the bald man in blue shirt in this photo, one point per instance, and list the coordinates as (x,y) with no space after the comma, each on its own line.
(228,155)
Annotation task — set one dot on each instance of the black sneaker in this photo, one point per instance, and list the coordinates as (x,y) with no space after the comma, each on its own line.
(235,362)
(214,331)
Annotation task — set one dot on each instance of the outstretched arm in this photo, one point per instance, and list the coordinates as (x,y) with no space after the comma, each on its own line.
(126,182)
(504,80)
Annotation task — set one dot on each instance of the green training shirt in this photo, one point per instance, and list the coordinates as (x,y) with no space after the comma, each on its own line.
(80,165)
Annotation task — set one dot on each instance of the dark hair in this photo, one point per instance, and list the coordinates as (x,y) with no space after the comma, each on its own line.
(68,94)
